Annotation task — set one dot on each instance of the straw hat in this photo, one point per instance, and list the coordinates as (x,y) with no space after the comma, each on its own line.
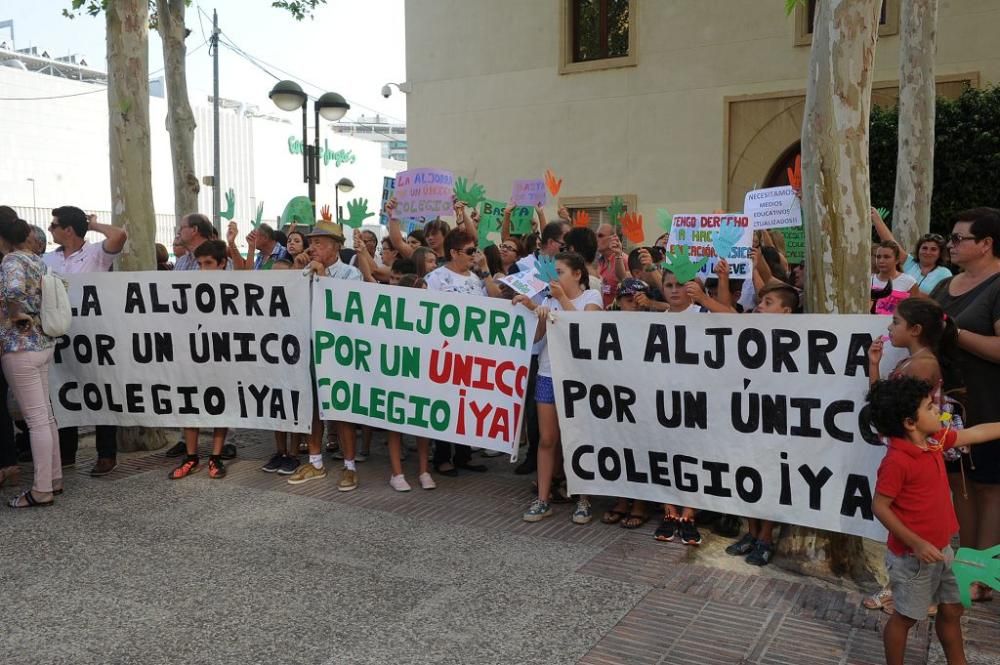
(325,229)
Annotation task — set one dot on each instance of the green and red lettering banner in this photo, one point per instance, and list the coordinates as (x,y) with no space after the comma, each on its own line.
(446,366)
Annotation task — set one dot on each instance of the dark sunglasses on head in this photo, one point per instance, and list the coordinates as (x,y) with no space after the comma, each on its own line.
(934,237)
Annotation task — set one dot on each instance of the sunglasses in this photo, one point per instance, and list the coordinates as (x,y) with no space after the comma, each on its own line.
(934,237)
(956,238)
(508,248)
(469,251)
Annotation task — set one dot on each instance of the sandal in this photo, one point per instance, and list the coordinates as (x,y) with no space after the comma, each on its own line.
(634,521)
(880,600)
(614,516)
(981,593)
(31,501)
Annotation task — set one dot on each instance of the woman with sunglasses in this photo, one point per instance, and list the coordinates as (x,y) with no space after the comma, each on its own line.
(926,264)
(972,300)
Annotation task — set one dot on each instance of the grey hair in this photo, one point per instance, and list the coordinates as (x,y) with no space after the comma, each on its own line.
(39,235)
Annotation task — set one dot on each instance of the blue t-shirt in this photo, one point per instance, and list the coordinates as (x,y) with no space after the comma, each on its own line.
(925,283)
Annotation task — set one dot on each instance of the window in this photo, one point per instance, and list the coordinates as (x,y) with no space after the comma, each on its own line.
(597,34)
(597,208)
(600,29)
(805,18)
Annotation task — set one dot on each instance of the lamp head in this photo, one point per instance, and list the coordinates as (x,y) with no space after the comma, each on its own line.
(386,91)
(332,106)
(287,95)
(345,185)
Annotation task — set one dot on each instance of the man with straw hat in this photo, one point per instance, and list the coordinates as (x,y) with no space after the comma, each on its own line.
(325,241)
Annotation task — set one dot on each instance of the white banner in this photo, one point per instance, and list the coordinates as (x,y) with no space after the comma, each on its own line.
(186,349)
(754,416)
(442,365)
(773,208)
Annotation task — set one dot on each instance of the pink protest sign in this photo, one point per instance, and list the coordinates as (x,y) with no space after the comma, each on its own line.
(424,193)
(529,193)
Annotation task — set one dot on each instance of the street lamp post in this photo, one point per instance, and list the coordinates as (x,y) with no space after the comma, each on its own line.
(34,199)
(343,185)
(289,96)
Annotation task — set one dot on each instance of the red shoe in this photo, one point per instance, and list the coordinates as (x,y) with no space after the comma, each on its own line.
(186,468)
(216,469)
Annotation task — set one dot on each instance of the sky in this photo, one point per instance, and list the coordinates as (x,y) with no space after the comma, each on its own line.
(352,47)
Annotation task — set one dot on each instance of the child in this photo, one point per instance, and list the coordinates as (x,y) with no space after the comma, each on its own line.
(920,326)
(757,545)
(211,255)
(913,501)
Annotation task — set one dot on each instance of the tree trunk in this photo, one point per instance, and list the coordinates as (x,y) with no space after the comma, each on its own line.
(180,118)
(128,115)
(836,202)
(131,178)
(911,212)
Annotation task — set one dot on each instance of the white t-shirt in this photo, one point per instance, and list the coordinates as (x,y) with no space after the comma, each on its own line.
(901,285)
(91,257)
(448,281)
(588,297)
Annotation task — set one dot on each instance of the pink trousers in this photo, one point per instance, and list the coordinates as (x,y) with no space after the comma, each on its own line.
(27,374)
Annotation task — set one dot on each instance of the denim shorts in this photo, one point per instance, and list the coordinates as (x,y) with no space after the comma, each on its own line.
(544,394)
(917,585)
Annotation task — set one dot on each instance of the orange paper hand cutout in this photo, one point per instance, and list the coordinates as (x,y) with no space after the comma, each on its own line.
(795,175)
(581,219)
(632,227)
(324,213)
(550,181)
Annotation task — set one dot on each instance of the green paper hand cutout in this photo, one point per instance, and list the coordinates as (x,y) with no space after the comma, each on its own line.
(488,225)
(546,267)
(470,196)
(665,219)
(358,211)
(298,211)
(725,239)
(981,566)
(678,262)
(615,211)
(230,210)
(883,213)
(260,214)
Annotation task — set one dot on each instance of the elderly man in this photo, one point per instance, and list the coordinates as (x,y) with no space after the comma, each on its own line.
(194,230)
(325,243)
(269,249)
(76,255)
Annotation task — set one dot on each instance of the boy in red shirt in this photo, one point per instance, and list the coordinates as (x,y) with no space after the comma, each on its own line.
(913,501)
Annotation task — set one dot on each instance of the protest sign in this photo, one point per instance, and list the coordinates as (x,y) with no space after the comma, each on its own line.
(759,420)
(773,208)
(529,193)
(795,243)
(520,216)
(526,282)
(442,365)
(424,193)
(185,349)
(701,234)
(388,190)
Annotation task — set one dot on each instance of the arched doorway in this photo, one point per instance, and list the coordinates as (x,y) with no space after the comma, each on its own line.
(778,175)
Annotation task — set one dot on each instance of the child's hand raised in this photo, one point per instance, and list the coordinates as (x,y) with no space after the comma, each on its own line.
(875,351)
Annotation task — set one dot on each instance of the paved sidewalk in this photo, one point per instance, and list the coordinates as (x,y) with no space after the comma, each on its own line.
(135,568)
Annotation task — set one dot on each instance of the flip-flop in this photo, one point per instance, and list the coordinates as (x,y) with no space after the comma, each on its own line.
(627,523)
(31,501)
(614,516)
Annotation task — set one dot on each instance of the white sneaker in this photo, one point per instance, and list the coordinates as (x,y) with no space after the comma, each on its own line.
(583,513)
(426,482)
(399,484)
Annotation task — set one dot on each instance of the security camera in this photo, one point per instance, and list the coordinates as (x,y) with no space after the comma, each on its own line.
(386,91)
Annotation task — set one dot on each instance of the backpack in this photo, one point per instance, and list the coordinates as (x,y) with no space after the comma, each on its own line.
(56,314)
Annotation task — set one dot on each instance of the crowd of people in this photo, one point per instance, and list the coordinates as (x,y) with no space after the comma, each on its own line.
(941,302)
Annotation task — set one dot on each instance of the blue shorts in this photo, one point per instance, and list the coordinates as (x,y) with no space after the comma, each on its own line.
(544,394)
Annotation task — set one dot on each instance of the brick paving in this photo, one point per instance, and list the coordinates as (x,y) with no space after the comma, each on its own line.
(691,613)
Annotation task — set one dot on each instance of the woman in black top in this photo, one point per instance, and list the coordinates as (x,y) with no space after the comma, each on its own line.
(972,299)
